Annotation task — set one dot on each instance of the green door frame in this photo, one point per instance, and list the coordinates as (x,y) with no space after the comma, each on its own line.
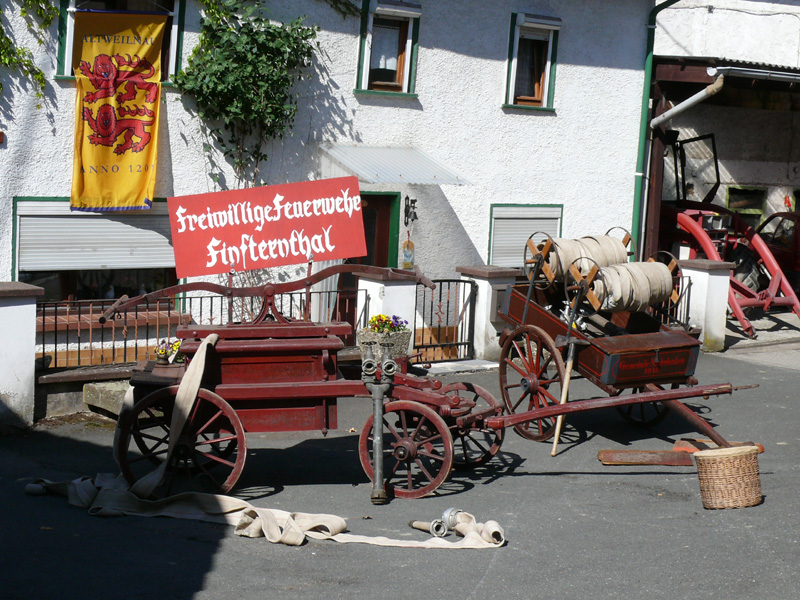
(394,224)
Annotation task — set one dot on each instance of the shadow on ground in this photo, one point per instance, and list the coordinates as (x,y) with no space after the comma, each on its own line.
(54,550)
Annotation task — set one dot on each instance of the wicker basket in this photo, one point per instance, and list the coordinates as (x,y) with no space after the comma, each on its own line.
(729,477)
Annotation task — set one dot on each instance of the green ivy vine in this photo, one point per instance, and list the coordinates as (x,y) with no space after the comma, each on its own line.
(40,14)
(241,74)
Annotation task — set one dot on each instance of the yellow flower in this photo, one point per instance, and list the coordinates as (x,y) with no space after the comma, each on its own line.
(386,324)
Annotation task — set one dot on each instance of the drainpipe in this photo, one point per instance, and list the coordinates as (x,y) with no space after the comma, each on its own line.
(709,90)
(636,222)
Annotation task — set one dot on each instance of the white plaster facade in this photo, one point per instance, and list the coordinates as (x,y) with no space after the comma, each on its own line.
(581,156)
(746,30)
(18,323)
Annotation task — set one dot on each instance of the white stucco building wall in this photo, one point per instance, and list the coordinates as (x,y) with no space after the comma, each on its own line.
(581,156)
(18,323)
(746,30)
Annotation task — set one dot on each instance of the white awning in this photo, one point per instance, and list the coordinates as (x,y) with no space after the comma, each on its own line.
(393,164)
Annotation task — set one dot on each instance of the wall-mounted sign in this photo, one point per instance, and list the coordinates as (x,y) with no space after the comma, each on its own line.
(408,254)
(270,226)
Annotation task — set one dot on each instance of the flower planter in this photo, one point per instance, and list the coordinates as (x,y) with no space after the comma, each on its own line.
(398,342)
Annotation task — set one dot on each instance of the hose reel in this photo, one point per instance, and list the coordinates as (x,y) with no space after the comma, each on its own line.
(549,260)
(631,287)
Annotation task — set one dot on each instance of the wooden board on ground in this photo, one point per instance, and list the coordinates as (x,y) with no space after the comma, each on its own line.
(670,458)
(691,446)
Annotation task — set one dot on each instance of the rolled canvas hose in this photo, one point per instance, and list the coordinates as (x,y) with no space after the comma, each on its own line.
(642,292)
(107,496)
(604,250)
(633,286)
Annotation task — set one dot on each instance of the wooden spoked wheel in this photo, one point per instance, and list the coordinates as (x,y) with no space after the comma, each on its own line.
(578,287)
(674,268)
(209,453)
(475,444)
(625,237)
(645,414)
(417,449)
(531,375)
(537,249)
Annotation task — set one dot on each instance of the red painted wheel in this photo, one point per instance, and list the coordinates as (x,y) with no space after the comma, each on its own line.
(475,444)
(208,456)
(417,449)
(531,374)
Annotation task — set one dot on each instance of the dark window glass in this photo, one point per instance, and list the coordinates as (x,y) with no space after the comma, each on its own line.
(99,284)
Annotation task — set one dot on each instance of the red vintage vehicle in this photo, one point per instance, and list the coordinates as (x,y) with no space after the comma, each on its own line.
(779,232)
(757,279)
(717,233)
(275,374)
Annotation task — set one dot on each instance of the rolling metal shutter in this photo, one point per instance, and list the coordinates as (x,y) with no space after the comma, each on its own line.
(513,225)
(50,238)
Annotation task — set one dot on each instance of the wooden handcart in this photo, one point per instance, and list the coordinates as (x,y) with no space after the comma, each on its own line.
(644,366)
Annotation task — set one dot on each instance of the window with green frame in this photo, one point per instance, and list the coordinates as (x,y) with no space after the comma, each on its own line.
(748,202)
(388,47)
(531,66)
(173,33)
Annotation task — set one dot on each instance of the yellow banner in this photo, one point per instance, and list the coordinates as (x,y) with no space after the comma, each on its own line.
(117,63)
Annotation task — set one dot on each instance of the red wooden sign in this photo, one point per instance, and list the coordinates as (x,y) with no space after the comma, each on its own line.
(268,226)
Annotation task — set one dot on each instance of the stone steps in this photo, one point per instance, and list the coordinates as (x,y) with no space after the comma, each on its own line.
(95,389)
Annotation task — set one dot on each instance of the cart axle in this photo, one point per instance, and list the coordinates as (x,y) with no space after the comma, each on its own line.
(609,402)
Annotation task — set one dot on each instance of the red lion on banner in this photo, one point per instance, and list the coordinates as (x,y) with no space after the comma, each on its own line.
(107,77)
(107,128)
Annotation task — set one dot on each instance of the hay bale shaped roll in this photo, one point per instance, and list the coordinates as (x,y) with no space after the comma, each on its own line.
(595,250)
(660,278)
(653,281)
(609,288)
(565,251)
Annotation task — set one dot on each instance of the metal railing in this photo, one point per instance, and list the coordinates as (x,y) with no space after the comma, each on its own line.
(69,333)
(445,321)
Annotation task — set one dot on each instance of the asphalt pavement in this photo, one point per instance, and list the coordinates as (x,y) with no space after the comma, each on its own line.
(575,528)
